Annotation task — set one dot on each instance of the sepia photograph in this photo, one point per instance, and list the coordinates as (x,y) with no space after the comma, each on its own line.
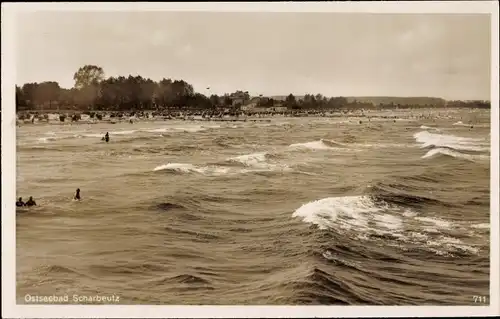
(251,158)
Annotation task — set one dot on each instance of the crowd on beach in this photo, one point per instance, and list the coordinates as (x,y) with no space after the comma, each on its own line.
(223,115)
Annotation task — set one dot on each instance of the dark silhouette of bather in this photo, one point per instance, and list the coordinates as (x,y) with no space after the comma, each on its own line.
(20,202)
(77,195)
(31,202)
(106,137)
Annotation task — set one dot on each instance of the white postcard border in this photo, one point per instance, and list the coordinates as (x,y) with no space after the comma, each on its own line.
(9,307)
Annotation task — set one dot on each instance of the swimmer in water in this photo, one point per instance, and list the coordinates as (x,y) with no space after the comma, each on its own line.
(30,202)
(77,194)
(20,202)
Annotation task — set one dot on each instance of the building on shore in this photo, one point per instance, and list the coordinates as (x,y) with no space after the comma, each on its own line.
(239,98)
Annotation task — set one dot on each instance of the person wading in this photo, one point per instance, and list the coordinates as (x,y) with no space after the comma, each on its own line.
(77,195)
(20,202)
(31,202)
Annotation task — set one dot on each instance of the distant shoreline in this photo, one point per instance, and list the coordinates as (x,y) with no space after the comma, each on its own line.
(249,113)
(51,117)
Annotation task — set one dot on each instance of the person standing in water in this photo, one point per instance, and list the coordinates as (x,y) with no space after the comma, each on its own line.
(106,137)
(20,202)
(77,194)
(30,202)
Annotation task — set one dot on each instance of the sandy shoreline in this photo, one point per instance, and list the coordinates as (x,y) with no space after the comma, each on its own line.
(50,118)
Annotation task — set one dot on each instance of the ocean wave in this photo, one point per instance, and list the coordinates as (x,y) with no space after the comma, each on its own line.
(259,161)
(254,159)
(187,129)
(322,144)
(186,279)
(425,127)
(383,145)
(190,168)
(460,123)
(364,218)
(125,132)
(190,129)
(169,206)
(481,226)
(319,287)
(90,135)
(228,141)
(427,139)
(54,138)
(440,151)
(250,163)
(60,135)
(158,130)
(402,194)
(47,139)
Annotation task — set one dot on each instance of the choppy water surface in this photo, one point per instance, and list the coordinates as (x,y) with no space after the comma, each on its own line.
(294,211)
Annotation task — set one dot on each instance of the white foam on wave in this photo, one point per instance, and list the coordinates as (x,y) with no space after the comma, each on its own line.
(455,154)
(409,213)
(254,159)
(91,135)
(211,126)
(460,123)
(425,127)
(361,217)
(316,145)
(123,132)
(259,162)
(481,226)
(190,168)
(47,139)
(436,222)
(343,212)
(427,139)
(450,244)
(158,130)
(190,129)
(54,138)
(384,145)
(322,144)
(389,221)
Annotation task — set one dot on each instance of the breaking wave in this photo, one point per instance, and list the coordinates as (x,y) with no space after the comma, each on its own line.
(452,146)
(318,145)
(366,218)
(443,151)
(190,168)
(427,139)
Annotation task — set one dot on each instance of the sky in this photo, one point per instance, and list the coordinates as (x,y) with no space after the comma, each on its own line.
(271,53)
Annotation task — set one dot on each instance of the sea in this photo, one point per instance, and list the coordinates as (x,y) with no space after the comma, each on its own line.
(388,210)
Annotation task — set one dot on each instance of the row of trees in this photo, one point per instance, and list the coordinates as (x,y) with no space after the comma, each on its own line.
(469,104)
(93,91)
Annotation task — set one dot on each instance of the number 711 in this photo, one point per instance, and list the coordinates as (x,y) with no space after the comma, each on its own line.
(481,299)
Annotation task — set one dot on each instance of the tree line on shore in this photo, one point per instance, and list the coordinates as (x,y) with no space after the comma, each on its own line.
(94,92)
